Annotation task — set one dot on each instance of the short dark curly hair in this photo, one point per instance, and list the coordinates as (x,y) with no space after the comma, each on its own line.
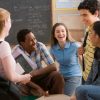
(21,35)
(91,5)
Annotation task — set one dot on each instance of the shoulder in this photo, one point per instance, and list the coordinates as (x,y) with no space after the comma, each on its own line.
(5,49)
(54,47)
(5,45)
(15,48)
(40,44)
(76,44)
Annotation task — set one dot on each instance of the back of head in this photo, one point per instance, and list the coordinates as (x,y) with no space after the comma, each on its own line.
(4,15)
(91,5)
(22,34)
(96,28)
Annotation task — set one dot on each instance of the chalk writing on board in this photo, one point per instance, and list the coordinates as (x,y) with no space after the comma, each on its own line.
(32,14)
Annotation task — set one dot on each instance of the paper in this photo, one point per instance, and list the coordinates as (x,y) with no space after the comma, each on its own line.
(19,69)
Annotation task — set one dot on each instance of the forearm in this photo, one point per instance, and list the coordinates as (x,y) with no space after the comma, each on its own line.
(33,85)
(49,68)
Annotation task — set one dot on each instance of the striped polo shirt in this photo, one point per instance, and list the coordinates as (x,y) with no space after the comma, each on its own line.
(88,55)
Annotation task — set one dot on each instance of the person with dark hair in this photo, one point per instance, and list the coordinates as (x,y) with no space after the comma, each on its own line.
(91,90)
(34,54)
(64,51)
(89,12)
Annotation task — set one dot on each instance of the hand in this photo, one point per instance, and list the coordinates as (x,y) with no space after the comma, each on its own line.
(37,91)
(73,98)
(27,78)
(42,92)
(46,93)
(81,50)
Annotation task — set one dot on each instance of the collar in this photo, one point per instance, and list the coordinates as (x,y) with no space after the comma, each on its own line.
(67,45)
(26,53)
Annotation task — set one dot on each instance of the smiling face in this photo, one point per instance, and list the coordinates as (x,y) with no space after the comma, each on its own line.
(60,34)
(87,17)
(30,43)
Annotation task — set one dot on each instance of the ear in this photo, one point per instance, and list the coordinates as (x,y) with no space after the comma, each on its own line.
(22,44)
(97,13)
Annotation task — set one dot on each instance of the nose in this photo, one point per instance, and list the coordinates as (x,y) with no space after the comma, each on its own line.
(60,33)
(34,41)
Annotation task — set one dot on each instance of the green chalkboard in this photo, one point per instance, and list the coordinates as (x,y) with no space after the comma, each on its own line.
(33,14)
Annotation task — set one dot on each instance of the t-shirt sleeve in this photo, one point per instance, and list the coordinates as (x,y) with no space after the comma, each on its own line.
(5,49)
(46,56)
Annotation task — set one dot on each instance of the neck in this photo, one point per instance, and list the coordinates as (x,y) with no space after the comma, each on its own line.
(62,44)
(95,19)
(3,34)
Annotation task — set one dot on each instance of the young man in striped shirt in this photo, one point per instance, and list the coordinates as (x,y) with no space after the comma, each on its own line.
(89,12)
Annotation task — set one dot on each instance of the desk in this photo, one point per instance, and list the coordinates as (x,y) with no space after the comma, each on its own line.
(55,97)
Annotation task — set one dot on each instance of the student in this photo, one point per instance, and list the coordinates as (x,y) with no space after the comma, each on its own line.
(64,51)
(7,62)
(91,91)
(89,12)
(34,52)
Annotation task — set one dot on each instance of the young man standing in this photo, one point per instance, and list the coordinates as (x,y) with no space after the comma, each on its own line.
(91,90)
(89,12)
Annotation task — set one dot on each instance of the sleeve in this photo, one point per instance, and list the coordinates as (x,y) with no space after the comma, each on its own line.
(51,52)
(6,50)
(16,51)
(76,46)
(46,56)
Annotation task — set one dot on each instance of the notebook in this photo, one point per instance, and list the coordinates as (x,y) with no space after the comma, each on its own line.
(26,68)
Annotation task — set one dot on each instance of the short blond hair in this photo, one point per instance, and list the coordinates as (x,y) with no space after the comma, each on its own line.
(4,15)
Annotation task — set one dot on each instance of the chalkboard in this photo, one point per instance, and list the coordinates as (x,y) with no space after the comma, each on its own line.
(31,14)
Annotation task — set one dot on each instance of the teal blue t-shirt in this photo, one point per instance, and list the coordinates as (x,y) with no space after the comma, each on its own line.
(67,59)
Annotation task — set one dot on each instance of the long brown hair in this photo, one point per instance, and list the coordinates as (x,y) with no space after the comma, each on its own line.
(54,41)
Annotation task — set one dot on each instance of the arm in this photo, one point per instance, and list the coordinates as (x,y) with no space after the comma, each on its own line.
(9,69)
(46,57)
(9,65)
(46,70)
(40,91)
